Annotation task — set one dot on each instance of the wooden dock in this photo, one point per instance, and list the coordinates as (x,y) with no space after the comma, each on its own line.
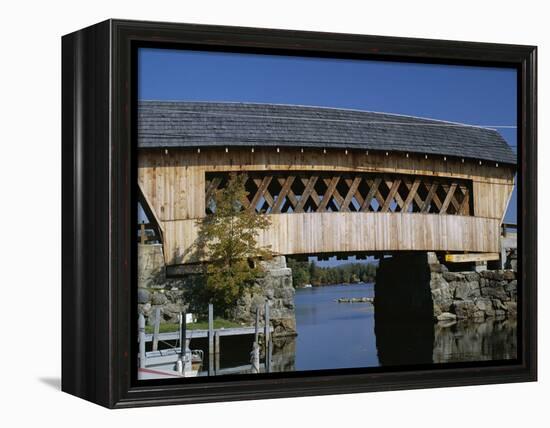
(167,357)
(162,360)
(201,334)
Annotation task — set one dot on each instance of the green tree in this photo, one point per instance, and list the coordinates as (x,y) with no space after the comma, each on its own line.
(300,272)
(342,274)
(227,239)
(314,272)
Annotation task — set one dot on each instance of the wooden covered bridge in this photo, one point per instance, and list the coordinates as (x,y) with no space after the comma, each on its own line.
(332,180)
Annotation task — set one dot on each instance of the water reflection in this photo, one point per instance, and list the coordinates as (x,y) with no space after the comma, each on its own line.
(468,341)
(284,354)
(345,335)
(403,343)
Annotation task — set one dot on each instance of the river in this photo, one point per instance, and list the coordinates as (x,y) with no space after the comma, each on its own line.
(334,335)
(342,335)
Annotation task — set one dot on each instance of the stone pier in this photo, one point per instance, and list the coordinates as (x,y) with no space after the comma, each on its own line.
(403,310)
(402,287)
(275,287)
(472,295)
(414,290)
(417,286)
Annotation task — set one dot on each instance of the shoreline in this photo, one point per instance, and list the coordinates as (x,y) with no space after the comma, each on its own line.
(348,284)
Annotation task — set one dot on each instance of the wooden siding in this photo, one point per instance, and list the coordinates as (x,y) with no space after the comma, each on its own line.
(174,183)
(491,199)
(354,232)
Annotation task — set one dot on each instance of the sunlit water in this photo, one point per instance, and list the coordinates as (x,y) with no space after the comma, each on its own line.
(334,335)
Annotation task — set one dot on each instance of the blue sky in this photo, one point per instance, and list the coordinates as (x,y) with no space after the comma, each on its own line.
(473,95)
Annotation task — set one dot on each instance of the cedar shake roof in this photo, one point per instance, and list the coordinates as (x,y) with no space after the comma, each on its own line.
(165,124)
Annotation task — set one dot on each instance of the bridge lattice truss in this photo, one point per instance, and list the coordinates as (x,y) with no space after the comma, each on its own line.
(309,192)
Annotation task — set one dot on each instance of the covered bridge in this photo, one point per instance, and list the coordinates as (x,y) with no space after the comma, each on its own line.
(332,180)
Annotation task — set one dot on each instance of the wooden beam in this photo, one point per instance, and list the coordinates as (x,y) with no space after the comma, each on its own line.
(377,194)
(266,195)
(268,198)
(351,192)
(448,198)
(142,233)
(149,211)
(403,190)
(211,187)
(305,195)
(313,194)
(389,183)
(434,196)
(267,339)
(471,257)
(335,194)
(437,201)
(261,189)
(464,208)
(210,339)
(416,196)
(245,201)
(412,193)
(358,196)
(397,196)
(429,197)
(141,333)
(331,186)
(292,198)
(286,184)
(391,195)
(156,329)
(373,189)
(454,202)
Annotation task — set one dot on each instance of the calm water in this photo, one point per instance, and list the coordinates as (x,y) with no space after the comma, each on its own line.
(342,335)
(334,335)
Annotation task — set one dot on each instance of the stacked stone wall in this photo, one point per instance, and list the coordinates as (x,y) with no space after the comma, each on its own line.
(275,288)
(472,295)
(174,295)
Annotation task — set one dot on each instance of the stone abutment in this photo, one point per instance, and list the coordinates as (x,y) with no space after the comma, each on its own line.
(173,295)
(416,286)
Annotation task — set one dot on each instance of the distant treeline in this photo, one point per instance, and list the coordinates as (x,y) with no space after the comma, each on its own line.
(309,273)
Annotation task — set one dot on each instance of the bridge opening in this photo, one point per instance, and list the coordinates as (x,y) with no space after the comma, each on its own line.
(403,306)
(280,192)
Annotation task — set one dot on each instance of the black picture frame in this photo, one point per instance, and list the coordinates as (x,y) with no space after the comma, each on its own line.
(98,211)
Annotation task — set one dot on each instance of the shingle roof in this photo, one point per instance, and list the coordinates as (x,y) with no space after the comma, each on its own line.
(209,124)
